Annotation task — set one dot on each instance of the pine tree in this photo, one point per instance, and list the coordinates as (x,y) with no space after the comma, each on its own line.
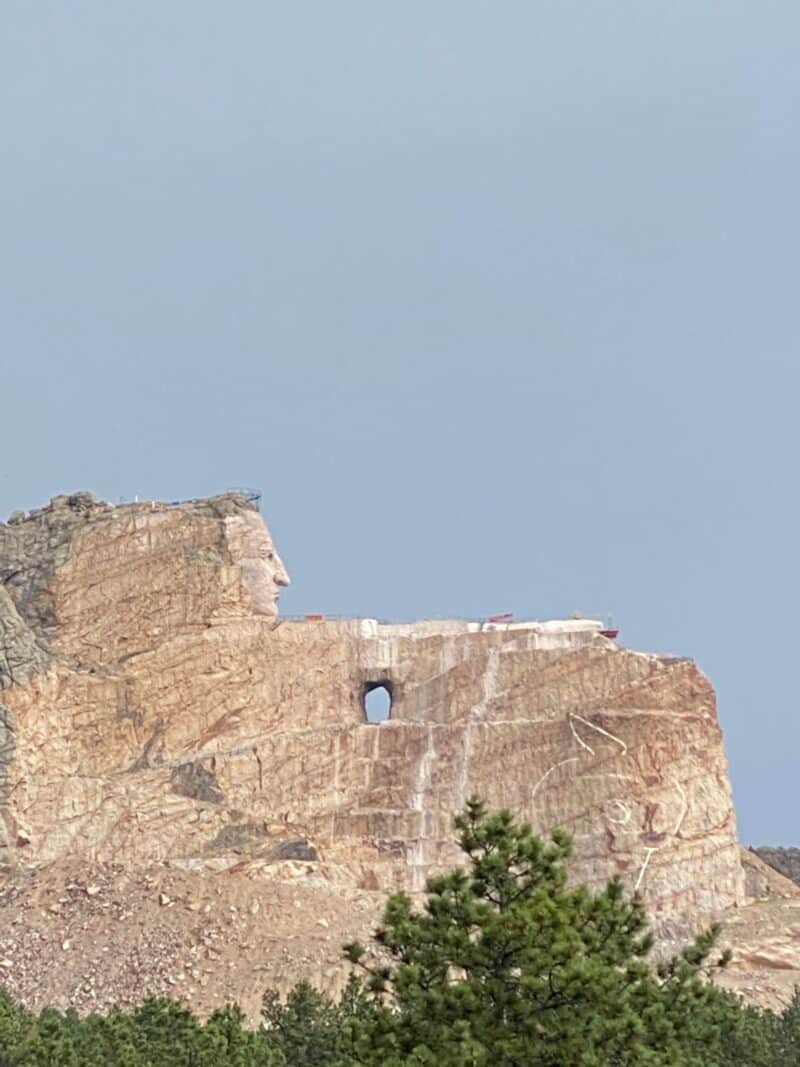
(508,966)
(312,1030)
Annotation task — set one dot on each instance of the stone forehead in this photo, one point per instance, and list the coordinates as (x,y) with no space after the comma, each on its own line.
(248,535)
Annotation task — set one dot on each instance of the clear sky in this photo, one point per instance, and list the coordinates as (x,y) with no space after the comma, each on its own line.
(496,303)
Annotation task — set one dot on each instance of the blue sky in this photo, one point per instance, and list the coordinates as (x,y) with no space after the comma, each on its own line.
(495,303)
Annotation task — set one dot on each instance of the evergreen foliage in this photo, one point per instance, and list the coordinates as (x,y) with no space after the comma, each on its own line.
(159,1033)
(312,1030)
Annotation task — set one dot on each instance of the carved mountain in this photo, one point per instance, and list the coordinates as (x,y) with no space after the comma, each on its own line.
(168,741)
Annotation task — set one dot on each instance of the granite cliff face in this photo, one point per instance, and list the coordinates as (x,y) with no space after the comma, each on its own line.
(157,716)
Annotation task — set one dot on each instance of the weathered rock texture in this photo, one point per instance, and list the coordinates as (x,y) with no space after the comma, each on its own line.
(156,714)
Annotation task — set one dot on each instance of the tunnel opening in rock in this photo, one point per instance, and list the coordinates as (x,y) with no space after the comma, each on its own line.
(377,701)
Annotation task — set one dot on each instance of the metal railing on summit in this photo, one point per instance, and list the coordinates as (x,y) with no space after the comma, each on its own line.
(252,496)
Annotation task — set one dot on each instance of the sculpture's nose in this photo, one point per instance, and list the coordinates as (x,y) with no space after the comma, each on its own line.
(281,574)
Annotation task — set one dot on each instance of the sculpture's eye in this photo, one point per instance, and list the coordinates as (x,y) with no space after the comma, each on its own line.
(270,556)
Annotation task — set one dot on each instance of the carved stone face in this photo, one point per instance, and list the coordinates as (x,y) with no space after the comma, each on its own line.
(263,572)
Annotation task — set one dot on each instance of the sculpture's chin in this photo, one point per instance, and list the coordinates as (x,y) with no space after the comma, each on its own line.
(267,607)
(270,612)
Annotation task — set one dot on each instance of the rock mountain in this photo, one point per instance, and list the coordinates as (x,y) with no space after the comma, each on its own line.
(192,799)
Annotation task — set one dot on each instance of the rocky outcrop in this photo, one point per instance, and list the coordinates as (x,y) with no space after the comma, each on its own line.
(784,860)
(159,714)
(763,936)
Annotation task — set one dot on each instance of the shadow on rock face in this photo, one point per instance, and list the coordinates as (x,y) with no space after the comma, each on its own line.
(196,781)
